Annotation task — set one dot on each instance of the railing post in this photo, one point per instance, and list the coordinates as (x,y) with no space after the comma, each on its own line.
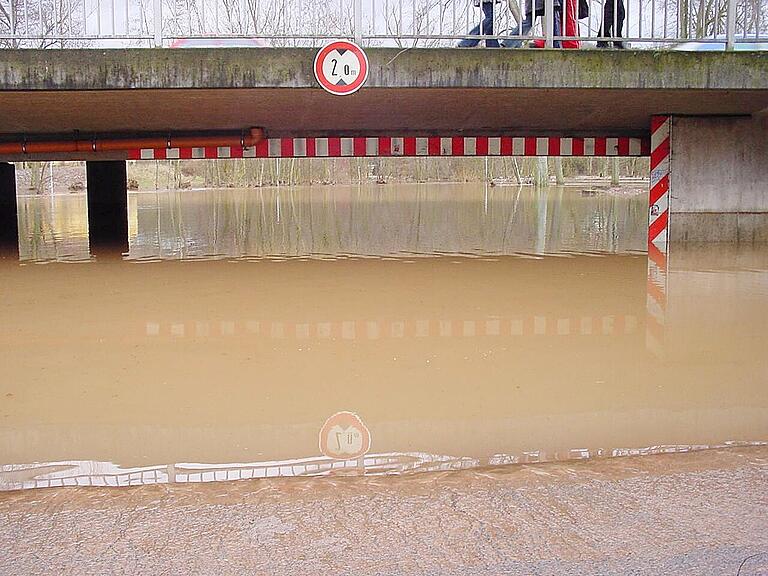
(157,17)
(730,35)
(12,16)
(549,23)
(358,21)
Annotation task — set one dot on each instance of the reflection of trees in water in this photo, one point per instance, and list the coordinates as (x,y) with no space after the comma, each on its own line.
(53,228)
(381,221)
(377,221)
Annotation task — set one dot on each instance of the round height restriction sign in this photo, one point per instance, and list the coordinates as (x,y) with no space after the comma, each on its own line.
(341,67)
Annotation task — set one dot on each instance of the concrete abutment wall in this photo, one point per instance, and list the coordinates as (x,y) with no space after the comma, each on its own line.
(719,179)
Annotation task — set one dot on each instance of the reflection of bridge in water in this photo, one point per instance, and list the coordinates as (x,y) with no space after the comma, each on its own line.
(612,325)
(87,473)
(535,353)
(108,474)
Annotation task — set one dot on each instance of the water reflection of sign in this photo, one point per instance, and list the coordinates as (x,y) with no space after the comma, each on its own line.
(344,436)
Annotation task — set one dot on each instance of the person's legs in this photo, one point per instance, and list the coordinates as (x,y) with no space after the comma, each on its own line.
(571,23)
(485,28)
(470,42)
(557,29)
(620,15)
(521,30)
(607,26)
(487,24)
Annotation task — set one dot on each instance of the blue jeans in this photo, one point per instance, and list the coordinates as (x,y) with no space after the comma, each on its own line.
(525,27)
(485,28)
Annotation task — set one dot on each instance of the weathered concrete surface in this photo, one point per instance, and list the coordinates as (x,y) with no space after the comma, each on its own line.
(719,180)
(415,91)
(389,68)
(698,513)
(726,226)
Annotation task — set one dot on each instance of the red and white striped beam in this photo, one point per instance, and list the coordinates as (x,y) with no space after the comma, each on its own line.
(408,146)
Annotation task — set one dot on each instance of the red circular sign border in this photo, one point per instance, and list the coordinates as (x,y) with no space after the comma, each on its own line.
(332,88)
(322,437)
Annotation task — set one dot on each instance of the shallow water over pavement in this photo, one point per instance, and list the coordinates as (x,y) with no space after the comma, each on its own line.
(464,326)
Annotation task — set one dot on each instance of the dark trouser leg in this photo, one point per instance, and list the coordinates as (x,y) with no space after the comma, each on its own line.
(557,28)
(521,30)
(620,15)
(606,28)
(485,28)
(469,43)
(488,25)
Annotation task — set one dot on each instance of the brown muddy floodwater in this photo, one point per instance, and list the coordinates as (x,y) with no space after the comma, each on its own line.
(463,326)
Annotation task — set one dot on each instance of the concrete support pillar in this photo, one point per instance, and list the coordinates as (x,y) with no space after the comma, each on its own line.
(719,180)
(9,224)
(107,207)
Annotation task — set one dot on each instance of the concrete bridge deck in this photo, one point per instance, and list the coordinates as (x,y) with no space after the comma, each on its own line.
(418,91)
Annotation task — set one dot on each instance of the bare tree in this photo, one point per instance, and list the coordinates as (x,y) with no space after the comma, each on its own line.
(694,19)
(42,23)
(432,19)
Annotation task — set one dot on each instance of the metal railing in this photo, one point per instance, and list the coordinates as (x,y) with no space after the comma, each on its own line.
(398,23)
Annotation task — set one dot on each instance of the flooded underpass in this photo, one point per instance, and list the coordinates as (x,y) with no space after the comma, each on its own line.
(501,338)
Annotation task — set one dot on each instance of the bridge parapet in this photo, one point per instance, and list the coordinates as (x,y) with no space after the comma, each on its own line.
(400,23)
(121,69)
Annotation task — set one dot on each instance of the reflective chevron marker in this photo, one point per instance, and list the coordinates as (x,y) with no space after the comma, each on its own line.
(658,199)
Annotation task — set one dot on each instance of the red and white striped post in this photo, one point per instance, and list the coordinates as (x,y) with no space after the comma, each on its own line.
(658,200)
(658,234)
